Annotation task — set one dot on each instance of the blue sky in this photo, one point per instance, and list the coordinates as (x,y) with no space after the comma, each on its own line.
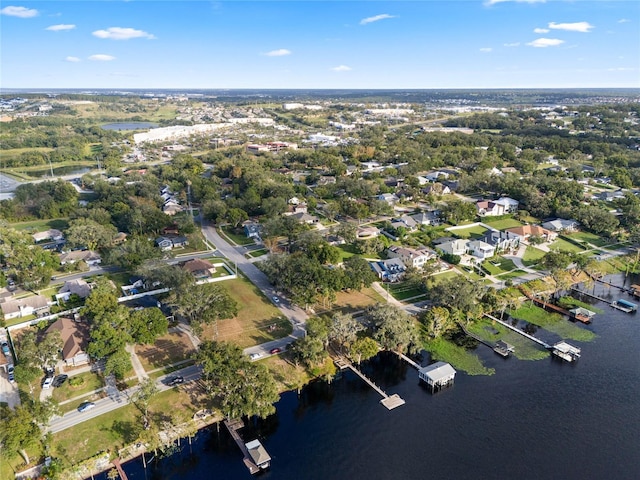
(320,44)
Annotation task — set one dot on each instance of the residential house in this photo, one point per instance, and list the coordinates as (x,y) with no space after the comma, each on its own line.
(89,257)
(303,217)
(481,249)
(527,231)
(405,222)
(411,257)
(454,247)
(502,241)
(51,234)
(390,270)
(436,189)
(23,307)
(609,196)
(73,287)
(560,225)
(252,230)
(489,208)
(199,268)
(510,205)
(366,232)
(390,198)
(171,208)
(435,175)
(166,243)
(75,338)
(427,218)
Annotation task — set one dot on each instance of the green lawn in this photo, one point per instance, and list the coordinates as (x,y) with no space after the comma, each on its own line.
(439,277)
(511,274)
(400,291)
(553,322)
(90,381)
(258,253)
(476,231)
(235,236)
(591,238)
(42,225)
(532,255)
(503,223)
(503,265)
(564,246)
(348,250)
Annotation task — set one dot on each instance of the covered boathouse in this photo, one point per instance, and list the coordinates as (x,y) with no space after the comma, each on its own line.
(437,375)
(258,454)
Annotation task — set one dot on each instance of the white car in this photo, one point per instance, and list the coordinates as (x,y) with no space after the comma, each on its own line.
(47,382)
(255,356)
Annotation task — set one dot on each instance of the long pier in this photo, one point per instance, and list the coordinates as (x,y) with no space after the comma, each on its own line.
(545,305)
(116,463)
(407,359)
(233,426)
(517,330)
(592,296)
(389,401)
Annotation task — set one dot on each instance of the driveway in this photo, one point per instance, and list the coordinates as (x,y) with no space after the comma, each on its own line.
(8,391)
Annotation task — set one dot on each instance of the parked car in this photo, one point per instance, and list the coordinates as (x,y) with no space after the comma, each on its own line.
(59,380)
(273,351)
(275,299)
(47,382)
(10,373)
(84,406)
(5,348)
(173,381)
(255,356)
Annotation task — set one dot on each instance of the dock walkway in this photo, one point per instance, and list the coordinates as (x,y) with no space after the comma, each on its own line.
(582,292)
(116,463)
(389,401)
(233,426)
(517,330)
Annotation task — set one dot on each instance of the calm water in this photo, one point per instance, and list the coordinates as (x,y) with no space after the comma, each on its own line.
(129,126)
(531,420)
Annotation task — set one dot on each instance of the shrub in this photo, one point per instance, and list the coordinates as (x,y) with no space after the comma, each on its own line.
(76,381)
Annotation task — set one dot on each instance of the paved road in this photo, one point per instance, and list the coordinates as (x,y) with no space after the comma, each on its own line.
(116,400)
(295,314)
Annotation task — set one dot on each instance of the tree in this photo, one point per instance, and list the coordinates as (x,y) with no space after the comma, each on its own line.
(169,276)
(363,349)
(457,211)
(393,328)
(437,321)
(148,324)
(358,273)
(242,387)
(18,430)
(308,350)
(87,233)
(203,304)
(142,397)
(456,292)
(118,364)
(344,329)
(133,253)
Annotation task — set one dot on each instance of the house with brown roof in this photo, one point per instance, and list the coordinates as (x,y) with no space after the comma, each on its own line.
(88,256)
(199,268)
(526,231)
(22,307)
(74,287)
(75,338)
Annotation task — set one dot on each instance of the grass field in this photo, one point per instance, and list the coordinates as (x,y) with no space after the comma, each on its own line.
(532,255)
(170,348)
(400,291)
(347,251)
(237,238)
(591,238)
(492,332)
(256,316)
(353,301)
(42,225)
(503,223)
(90,381)
(503,265)
(476,231)
(564,246)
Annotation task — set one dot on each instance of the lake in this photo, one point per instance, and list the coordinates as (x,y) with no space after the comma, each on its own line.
(129,126)
(530,420)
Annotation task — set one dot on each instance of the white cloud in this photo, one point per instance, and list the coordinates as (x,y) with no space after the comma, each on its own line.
(583,27)
(622,69)
(22,12)
(376,18)
(72,59)
(341,68)
(120,33)
(60,28)
(101,57)
(545,42)
(486,49)
(624,20)
(493,2)
(540,30)
(281,52)
(514,44)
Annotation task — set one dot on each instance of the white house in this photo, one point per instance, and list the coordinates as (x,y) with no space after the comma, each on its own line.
(489,208)
(23,307)
(411,257)
(481,249)
(510,205)
(454,247)
(390,198)
(560,224)
(51,234)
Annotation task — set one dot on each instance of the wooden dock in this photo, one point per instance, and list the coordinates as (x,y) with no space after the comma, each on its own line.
(116,463)
(389,401)
(545,305)
(233,426)
(407,359)
(517,330)
(581,292)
